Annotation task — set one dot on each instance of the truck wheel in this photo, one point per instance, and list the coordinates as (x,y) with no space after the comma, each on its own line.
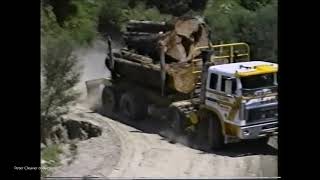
(263,140)
(215,135)
(175,118)
(133,106)
(109,100)
(177,122)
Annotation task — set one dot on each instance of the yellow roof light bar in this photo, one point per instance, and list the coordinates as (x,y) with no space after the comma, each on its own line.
(261,69)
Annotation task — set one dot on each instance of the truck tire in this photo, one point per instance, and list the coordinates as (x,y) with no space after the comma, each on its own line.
(176,122)
(215,135)
(133,106)
(262,141)
(109,100)
(175,119)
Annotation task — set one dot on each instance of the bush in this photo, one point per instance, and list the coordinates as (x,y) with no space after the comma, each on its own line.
(117,13)
(254,4)
(231,22)
(265,38)
(111,13)
(82,25)
(50,155)
(59,74)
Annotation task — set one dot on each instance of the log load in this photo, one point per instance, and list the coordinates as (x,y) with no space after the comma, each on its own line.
(179,36)
(148,26)
(180,76)
(140,61)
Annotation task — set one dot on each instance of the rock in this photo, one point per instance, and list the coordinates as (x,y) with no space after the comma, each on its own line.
(81,130)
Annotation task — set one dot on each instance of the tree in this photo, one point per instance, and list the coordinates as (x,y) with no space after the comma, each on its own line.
(254,4)
(265,37)
(232,22)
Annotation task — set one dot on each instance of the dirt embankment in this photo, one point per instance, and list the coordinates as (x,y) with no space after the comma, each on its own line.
(95,156)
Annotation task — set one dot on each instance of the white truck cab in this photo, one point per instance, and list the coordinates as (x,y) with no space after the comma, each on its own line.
(244,97)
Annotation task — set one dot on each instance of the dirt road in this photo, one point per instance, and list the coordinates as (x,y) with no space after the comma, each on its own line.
(143,152)
(137,150)
(147,154)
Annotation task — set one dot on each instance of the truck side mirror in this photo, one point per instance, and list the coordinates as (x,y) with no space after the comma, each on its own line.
(228,86)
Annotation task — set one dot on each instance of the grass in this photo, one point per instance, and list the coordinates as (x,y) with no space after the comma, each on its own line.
(51,155)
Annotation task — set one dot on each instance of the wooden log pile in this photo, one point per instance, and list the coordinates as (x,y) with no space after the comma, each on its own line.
(141,58)
(179,37)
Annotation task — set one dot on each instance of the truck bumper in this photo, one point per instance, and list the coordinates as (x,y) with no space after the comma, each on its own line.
(258,130)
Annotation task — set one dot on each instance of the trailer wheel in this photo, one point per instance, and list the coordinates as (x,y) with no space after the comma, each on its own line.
(133,107)
(215,135)
(109,100)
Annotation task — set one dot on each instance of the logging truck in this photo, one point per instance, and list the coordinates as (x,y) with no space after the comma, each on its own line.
(172,71)
(230,102)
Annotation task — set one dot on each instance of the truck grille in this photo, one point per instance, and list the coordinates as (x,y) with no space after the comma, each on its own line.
(262,114)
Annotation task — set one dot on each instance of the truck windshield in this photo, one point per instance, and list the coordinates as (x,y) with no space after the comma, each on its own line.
(258,81)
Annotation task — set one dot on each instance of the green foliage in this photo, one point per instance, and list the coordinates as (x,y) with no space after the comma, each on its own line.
(176,7)
(59,74)
(262,35)
(49,25)
(51,155)
(265,43)
(83,24)
(231,22)
(254,4)
(80,22)
(222,17)
(111,13)
(252,21)
(141,12)
(117,13)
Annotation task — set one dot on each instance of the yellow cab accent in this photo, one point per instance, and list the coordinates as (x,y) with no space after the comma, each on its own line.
(261,69)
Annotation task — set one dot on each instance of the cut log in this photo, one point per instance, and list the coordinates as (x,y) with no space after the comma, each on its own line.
(143,43)
(135,57)
(137,64)
(141,38)
(148,26)
(182,78)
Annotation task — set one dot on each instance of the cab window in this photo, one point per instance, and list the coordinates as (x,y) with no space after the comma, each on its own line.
(223,84)
(213,81)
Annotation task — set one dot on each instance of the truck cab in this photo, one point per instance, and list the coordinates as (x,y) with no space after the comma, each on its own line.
(243,96)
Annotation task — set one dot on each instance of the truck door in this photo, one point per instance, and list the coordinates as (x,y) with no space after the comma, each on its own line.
(212,88)
(220,94)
